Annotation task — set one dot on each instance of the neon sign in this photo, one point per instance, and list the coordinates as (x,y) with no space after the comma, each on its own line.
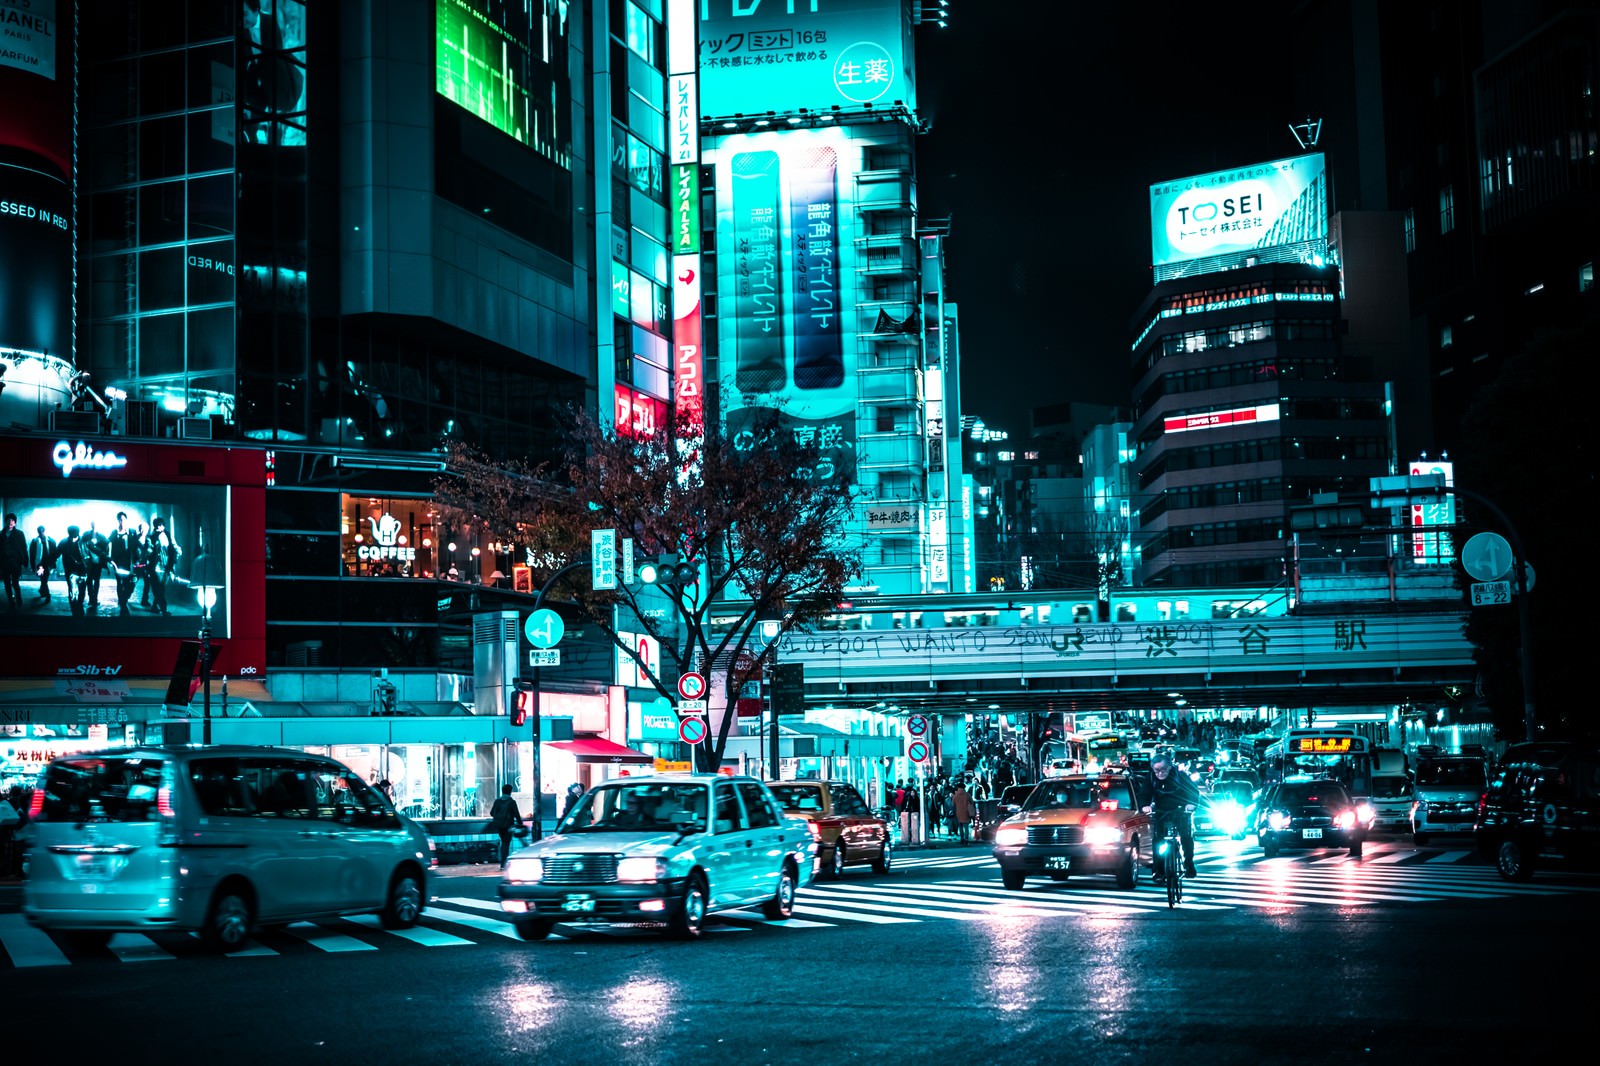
(68,458)
(387,541)
(1324,745)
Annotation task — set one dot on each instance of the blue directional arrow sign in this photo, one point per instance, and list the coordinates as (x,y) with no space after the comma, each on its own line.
(544,628)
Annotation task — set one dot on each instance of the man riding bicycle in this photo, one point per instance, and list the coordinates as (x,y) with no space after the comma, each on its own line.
(1173,799)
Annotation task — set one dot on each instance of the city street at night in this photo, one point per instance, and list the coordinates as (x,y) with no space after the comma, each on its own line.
(1408,955)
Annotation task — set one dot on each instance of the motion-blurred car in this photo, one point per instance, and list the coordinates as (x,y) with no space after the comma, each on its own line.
(1010,802)
(845,829)
(1309,813)
(1086,824)
(643,851)
(1543,805)
(1224,811)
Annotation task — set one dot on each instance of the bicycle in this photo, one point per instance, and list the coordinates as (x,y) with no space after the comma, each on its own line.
(1169,859)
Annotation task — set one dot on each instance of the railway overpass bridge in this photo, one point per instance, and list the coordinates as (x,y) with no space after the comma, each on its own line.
(1344,656)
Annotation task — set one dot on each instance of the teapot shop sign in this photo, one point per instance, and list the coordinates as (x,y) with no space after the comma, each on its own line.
(387,543)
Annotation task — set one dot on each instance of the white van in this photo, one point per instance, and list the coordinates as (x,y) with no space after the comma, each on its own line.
(215,840)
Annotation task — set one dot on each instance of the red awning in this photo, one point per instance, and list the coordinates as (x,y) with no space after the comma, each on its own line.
(598,749)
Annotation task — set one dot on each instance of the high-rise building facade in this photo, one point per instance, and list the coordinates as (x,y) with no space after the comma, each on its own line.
(1245,401)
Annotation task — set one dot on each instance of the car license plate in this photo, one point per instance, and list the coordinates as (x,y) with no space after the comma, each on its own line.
(1311,834)
(93,867)
(1056,862)
(578,902)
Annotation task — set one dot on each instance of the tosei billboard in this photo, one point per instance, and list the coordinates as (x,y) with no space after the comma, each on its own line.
(783,55)
(110,535)
(1239,211)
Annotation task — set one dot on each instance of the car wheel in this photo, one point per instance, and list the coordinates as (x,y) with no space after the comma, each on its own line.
(535,928)
(1127,871)
(1513,861)
(85,939)
(228,921)
(1419,839)
(404,906)
(885,858)
(1012,879)
(690,920)
(836,862)
(1269,848)
(781,905)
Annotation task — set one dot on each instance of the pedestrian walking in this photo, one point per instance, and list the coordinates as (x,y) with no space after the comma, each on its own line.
(505,819)
(961,805)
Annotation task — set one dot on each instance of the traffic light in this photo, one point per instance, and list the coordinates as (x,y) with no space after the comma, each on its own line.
(522,707)
(789,688)
(666,569)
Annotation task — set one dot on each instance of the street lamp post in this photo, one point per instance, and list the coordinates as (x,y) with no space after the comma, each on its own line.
(207,581)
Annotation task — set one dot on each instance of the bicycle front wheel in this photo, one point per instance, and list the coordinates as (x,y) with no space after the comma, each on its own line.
(1174,883)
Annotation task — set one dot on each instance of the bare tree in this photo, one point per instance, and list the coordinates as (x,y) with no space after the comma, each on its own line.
(755,514)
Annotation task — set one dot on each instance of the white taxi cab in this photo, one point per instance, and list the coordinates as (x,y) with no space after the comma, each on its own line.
(660,851)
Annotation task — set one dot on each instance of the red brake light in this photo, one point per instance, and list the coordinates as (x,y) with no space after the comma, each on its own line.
(164,802)
(36,803)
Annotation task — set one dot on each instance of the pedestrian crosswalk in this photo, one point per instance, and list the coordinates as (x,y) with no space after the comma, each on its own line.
(965,887)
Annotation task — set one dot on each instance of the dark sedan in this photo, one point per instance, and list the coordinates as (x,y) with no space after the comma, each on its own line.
(1309,813)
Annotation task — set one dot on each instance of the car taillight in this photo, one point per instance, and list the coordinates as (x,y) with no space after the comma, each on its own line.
(164,803)
(36,803)
(815,830)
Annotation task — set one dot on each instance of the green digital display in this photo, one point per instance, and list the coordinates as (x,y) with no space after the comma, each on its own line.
(506,63)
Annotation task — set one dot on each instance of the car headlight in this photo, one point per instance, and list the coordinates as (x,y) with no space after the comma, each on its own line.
(1278,820)
(1345,820)
(641,868)
(525,870)
(1366,814)
(1102,835)
(1010,836)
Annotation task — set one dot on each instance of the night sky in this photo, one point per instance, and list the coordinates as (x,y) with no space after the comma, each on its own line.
(1047,129)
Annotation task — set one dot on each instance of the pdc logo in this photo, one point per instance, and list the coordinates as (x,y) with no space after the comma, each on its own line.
(1200,220)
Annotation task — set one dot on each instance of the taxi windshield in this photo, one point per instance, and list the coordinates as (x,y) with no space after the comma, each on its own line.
(638,808)
(1091,795)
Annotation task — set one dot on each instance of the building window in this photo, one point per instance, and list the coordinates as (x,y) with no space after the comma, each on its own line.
(1447,209)
(1446,336)
(1411,229)
(1586,276)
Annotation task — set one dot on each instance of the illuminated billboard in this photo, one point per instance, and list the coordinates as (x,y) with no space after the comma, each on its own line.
(782,56)
(788,345)
(1228,215)
(272,79)
(1431,543)
(116,533)
(505,61)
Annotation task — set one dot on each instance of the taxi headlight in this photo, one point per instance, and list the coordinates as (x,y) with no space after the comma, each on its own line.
(1102,835)
(1010,836)
(1278,820)
(1345,820)
(641,868)
(525,870)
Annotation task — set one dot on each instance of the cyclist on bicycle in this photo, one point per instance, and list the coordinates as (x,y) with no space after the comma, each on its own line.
(1173,798)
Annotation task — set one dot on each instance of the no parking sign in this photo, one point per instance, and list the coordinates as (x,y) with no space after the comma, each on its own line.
(917,751)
